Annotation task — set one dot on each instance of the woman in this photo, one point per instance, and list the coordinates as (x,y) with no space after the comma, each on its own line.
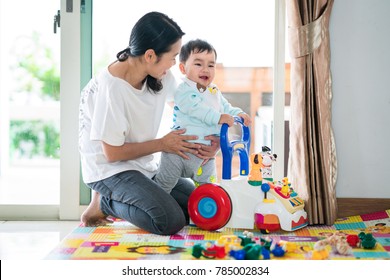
(120,113)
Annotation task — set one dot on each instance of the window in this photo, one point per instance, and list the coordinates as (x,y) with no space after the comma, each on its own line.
(30,106)
(32,184)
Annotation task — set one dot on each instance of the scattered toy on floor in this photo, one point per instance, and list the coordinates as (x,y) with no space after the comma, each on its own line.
(367,240)
(243,247)
(337,241)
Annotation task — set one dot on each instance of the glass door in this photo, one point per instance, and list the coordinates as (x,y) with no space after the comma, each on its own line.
(33,103)
(30,103)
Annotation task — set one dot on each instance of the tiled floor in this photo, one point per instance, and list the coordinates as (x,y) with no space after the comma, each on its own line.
(31,240)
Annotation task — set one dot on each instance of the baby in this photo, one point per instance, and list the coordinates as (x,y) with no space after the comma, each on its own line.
(201,109)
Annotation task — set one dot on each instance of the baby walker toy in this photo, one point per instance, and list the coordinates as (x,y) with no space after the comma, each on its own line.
(250,200)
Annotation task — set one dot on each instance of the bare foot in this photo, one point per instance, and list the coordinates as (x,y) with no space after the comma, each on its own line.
(93,216)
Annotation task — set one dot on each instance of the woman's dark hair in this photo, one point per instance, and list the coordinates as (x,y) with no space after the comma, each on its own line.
(196,46)
(152,31)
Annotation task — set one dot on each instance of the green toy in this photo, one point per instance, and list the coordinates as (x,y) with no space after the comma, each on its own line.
(367,240)
(252,251)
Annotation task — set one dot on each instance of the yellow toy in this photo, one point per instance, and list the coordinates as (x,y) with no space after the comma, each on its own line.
(255,177)
(319,253)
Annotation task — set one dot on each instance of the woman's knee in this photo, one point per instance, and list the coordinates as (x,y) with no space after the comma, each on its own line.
(171,225)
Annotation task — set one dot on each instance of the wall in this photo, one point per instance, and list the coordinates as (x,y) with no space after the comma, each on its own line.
(360,61)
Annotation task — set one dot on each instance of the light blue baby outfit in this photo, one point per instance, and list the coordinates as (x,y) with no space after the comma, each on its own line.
(198,112)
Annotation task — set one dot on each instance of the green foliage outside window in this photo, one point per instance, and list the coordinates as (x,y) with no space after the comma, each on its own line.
(37,69)
(38,75)
(31,139)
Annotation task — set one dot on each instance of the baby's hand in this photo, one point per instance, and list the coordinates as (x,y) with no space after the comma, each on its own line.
(247,119)
(226,118)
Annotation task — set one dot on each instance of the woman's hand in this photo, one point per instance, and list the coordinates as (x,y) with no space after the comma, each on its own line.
(209,151)
(175,142)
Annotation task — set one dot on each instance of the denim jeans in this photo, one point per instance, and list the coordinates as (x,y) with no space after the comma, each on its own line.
(132,196)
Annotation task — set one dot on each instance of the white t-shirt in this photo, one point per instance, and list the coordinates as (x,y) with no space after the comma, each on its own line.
(113,111)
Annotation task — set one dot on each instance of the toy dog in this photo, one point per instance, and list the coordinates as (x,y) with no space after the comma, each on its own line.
(267,160)
(255,175)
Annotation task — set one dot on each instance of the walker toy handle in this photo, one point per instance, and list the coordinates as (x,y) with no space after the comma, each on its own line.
(229,147)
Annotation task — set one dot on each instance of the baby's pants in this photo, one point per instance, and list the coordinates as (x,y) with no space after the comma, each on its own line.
(173,167)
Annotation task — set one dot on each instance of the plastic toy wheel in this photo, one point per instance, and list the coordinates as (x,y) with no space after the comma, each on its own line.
(210,207)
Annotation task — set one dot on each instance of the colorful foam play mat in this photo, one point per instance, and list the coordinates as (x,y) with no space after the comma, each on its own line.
(356,237)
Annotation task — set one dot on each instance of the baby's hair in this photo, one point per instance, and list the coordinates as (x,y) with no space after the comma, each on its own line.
(195,46)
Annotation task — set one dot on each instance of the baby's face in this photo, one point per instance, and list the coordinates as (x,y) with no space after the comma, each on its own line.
(200,68)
